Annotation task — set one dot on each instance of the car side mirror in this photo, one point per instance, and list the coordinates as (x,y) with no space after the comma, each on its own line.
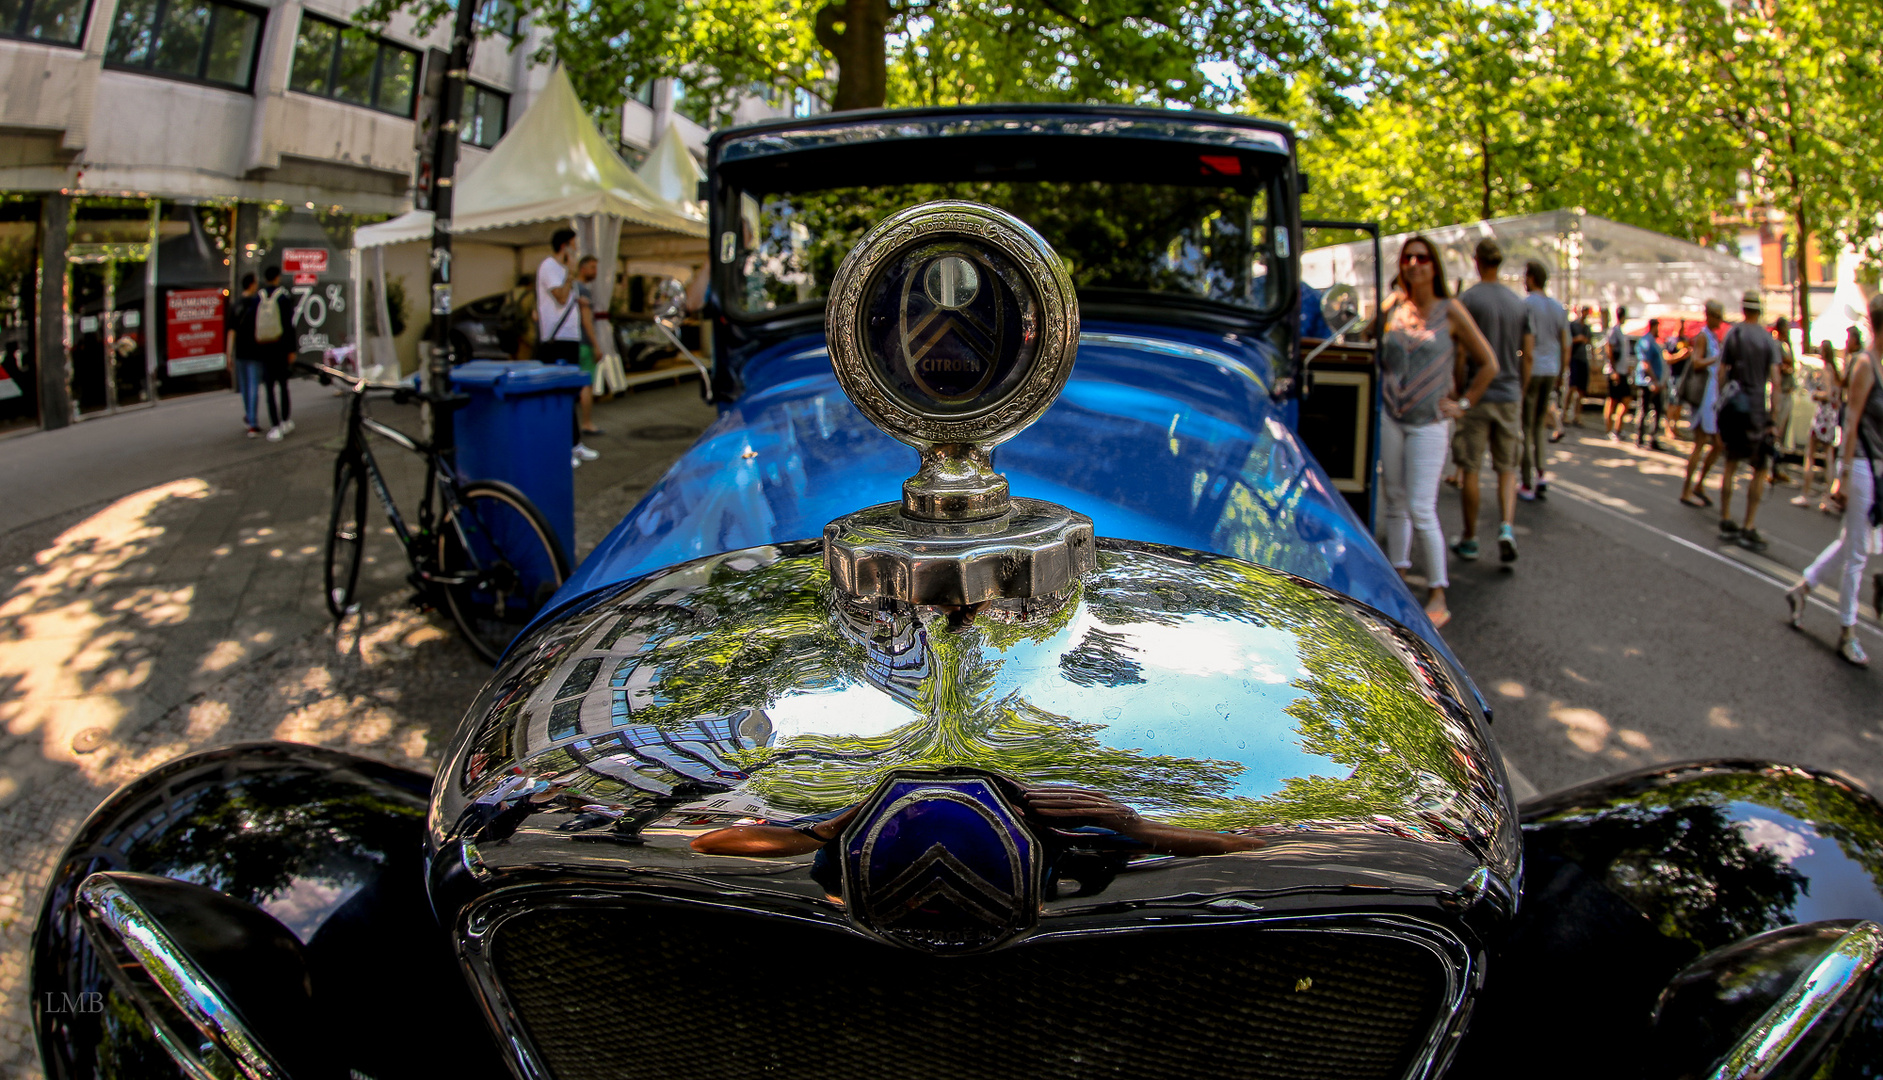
(1770,1005)
(222,984)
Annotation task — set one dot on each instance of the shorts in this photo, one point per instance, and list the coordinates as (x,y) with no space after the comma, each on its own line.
(1744,440)
(1620,389)
(1496,424)
(1579,376)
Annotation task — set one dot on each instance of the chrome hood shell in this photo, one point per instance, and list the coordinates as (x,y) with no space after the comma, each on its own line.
(1333,755)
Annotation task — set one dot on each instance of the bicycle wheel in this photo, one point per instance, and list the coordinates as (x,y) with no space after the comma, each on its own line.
(346,538)
(501,562)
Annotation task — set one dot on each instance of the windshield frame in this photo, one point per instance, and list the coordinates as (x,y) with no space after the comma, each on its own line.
(901,147)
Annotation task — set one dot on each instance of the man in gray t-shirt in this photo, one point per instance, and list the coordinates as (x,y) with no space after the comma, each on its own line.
(1549,325)
(1494,422)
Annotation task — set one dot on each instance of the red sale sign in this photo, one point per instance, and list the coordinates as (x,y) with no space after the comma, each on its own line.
(195,331)
(304,260)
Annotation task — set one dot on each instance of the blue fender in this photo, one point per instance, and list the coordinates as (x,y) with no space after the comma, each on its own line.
(1630,879)
(325,845)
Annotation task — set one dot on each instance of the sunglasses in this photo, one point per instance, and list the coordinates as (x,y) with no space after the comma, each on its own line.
(1415,259)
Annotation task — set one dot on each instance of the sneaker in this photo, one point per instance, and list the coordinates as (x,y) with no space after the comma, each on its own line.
(254,432)
(1506,544)
(1466,549)
(575,461)
(1751,540)
(1542,492)
(1729,527)
(1527,494)
(1852,650)
(287,427)
(1797,596)
(584,453)
(1655,445)
(275,434)
(1613,437)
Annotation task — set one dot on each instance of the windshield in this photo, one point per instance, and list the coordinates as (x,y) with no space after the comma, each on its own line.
(1203,242)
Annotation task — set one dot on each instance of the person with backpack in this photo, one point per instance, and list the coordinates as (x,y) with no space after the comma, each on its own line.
(1749,363)
(1650,379)
(272,316)
(1621,376)
(1854,491)
(559,322)
(242,350)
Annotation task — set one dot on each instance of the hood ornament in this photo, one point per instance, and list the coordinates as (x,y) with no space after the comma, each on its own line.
(952,327)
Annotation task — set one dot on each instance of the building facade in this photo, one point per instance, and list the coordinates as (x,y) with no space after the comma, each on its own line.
(154,151)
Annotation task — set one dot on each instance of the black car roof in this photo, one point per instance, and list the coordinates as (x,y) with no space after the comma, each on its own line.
(1200,128)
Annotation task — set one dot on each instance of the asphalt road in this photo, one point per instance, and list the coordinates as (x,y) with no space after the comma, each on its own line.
(1628,634)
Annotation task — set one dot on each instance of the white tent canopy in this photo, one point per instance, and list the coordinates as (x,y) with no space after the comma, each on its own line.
(1592,260)
(553,167)
(671,173)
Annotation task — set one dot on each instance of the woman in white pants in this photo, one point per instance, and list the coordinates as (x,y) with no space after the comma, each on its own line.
(1424,334)
(1854,489)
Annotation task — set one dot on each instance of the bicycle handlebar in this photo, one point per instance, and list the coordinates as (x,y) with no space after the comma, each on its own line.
(401,392)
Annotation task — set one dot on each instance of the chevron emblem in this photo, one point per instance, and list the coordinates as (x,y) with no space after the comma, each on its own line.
(941,864)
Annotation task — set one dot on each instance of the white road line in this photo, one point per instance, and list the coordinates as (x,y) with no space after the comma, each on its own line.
(1597,501)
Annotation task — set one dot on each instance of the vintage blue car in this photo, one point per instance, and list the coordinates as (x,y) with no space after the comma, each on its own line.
(849,754)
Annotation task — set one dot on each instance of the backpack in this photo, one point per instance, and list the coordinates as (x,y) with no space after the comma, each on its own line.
(268,316)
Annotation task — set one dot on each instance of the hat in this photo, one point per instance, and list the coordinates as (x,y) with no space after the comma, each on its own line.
(1489,253)
(1752,301)
(1715,309)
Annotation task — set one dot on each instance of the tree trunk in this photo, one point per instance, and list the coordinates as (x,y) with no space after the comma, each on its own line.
(855,33)
(1484,155)
(1804,285)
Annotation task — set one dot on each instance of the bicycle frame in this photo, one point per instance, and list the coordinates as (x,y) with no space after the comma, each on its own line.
(440,479)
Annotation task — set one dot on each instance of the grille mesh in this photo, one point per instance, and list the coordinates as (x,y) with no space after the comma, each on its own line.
(625,993)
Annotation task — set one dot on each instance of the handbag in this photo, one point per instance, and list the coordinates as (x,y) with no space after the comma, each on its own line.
(1693,386)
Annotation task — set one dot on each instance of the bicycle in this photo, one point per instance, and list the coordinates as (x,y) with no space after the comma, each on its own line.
(484,548)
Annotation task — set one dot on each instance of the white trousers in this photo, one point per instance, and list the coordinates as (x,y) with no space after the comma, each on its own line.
(1851,550)
(1412,457)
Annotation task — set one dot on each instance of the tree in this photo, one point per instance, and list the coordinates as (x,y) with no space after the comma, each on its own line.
(870,53)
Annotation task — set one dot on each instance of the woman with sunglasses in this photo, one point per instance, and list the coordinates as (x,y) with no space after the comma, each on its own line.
(1424,336)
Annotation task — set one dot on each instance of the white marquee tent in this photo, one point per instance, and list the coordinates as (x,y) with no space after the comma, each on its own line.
(553,167)
(1592,261)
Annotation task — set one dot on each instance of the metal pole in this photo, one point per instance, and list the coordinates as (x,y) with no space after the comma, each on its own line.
(444,172)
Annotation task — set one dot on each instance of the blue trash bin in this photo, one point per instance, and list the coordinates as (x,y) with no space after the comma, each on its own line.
(517,428)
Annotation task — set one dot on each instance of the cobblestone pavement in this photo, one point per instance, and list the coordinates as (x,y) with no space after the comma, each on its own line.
(188,614)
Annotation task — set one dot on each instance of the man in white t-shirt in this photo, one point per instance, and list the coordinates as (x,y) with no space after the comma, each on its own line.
(559,320)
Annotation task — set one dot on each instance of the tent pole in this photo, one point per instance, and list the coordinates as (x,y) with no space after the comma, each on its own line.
(445,168)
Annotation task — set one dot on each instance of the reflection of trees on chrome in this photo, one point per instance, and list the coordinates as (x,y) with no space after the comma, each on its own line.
(756,635)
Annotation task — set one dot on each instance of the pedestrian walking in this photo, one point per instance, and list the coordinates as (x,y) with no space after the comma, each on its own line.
(559,322)
(1748,366)
(241,349)
(585,274)
(1854,491)
(1704,357)
(1827,421)
(1650,379)
(1424,333)
(1621,376)
(1549,328)
(1495,421)
(274,341)
(1581,339)
(1782,402)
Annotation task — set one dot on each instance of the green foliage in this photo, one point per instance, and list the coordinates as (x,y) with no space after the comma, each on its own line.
(1652,113)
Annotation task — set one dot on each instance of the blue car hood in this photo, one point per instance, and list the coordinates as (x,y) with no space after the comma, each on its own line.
(1161,435)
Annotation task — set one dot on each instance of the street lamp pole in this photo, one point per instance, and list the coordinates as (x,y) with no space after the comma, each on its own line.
(444,174)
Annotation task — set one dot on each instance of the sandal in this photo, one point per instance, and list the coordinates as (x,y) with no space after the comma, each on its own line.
(1439,618)
(1797,596)
(1692,500)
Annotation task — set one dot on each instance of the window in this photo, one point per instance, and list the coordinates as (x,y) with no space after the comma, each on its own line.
(61,22)
(485,112)
(497,17)
(348,64)
(643,93)
(200,40)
